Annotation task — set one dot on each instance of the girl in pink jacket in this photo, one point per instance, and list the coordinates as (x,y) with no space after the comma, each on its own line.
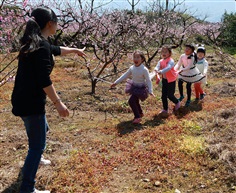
(165,67)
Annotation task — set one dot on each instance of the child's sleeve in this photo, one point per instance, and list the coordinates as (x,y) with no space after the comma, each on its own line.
(157,68)
(124,76)
(170,64)
(205,67)
(177,66)
(148,80)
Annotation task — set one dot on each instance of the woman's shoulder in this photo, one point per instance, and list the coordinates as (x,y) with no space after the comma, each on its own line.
(44,43)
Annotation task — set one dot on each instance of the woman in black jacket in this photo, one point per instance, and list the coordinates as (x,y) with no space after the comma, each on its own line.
(33,84)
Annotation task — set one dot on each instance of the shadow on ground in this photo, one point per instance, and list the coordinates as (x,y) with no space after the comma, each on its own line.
(15,186)
(127,127)
(183,111)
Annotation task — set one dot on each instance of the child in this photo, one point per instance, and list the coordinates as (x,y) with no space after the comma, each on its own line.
(202,66)
(165,67)
(140,85)
(187,72)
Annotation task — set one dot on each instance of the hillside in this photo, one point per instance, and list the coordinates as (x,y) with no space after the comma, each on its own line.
(98,149)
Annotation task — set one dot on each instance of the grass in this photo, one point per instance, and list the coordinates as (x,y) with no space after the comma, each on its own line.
(192,145)
(98,149)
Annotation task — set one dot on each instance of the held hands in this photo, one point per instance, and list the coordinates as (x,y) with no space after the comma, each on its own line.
(179,71)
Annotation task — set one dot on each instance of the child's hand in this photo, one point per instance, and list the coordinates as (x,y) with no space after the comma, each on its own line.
(152,94)
(113,85)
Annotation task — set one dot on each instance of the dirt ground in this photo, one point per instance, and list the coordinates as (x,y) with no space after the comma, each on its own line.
(98,150)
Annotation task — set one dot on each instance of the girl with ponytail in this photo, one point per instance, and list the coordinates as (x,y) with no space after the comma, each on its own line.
(188,72)
(33,84)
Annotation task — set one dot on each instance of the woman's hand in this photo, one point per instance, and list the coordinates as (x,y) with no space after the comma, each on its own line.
(62,109)
(80,52)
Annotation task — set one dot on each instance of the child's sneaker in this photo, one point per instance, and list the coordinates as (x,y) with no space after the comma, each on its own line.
(137,120)
(187,103)
(177,106)
(42,191)
(164,111)
(44,161)
(202,96)
(181,98)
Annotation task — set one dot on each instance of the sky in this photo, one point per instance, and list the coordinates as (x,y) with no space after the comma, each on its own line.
(213,9)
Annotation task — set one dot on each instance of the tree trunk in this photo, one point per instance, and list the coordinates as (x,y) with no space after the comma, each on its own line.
(114,68)
(132,6)
(167,4)
(93,84)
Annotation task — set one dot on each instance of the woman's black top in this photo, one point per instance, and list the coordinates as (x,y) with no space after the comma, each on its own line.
(33,74)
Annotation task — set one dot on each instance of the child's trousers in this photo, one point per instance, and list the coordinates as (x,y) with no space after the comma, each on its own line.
(188,88)
(168,91)
(135,106)
(198,89)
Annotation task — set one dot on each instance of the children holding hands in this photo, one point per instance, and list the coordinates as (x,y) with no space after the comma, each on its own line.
(188,72)
(188,69)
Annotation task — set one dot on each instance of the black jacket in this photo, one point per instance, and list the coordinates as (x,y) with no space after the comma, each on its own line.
(33,74)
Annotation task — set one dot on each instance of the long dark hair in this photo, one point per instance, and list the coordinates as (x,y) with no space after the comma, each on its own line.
(191,46)
(31,38)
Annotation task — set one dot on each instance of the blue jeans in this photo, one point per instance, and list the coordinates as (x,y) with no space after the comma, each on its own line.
(36,128)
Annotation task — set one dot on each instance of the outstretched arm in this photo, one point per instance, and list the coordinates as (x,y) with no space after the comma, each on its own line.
(67,50)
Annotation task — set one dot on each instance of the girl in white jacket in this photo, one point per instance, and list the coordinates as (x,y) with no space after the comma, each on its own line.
(202,66)
(188,72)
